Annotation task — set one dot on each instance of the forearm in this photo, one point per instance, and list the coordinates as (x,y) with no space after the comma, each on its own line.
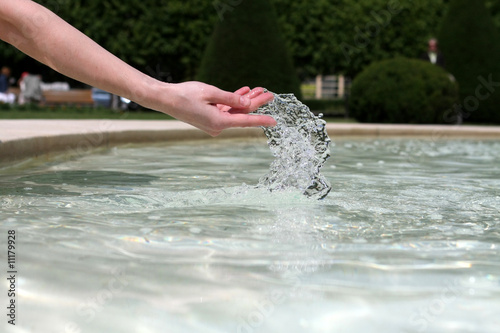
(44,36)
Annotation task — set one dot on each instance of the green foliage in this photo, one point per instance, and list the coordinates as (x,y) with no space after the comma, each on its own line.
(494,8)
(164,39)
(344,36)
(402,90)
(308,90)
(247,49)
(471,46)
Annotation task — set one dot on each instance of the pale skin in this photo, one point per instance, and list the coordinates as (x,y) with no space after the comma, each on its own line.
(44,36)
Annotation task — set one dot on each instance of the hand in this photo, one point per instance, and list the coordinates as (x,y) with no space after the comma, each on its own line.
(213,110)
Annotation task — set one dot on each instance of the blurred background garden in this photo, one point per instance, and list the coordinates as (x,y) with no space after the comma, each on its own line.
(362,60)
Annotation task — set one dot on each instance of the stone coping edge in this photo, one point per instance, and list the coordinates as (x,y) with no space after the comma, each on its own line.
(33,139)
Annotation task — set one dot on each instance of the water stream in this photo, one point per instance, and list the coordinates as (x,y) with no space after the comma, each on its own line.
(300,145)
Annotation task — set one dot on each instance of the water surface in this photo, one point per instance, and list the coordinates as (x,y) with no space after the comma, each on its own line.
(176,238)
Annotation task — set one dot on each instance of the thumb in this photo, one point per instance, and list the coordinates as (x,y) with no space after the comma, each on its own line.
(230,99)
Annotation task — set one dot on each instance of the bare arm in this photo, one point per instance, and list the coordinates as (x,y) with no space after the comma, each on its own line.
(41,34)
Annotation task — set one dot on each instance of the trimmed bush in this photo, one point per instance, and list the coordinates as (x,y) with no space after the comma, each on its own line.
(328,107)
(470,43)
(402,90)
(246,48)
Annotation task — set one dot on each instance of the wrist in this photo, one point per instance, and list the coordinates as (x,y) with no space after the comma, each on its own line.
(152,94)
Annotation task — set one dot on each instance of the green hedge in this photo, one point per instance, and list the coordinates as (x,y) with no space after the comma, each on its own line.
(470,43)
(402,90)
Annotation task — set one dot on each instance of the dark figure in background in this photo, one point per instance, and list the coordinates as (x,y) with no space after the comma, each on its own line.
(433,55)
(4,79)
(5,95)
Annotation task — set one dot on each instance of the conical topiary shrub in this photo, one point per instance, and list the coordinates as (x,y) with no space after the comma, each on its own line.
(246,48)
(470,43)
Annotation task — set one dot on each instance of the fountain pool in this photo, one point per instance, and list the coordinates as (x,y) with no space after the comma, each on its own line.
(176,238)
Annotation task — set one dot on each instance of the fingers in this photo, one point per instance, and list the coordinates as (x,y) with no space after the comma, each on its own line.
(241,120)
(245,120)
(259,92)
(258,98)
(242,91)
(255,92)
(234,100)
(235,107)
(258,101)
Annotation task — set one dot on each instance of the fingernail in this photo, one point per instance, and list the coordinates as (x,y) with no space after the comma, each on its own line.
(245,101)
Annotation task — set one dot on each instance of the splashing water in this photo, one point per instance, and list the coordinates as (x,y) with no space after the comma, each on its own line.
(300,145)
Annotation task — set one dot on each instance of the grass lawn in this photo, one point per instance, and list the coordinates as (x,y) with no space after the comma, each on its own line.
(36,112)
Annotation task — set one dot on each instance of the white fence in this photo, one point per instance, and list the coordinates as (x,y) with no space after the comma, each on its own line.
(332,86)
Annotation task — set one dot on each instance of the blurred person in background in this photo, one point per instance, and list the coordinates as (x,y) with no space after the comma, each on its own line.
(5,95)
(433,55)
(31,88)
